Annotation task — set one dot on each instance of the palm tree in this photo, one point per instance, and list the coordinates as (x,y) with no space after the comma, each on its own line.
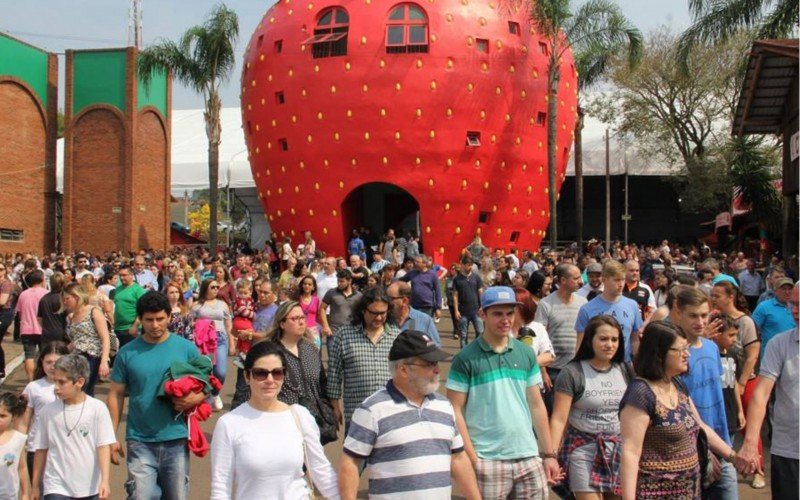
(202,59)
(717,20)
(752,174)
(595,32)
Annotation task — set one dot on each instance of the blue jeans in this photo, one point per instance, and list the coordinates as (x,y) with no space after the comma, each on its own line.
(94,373)
(462,326)
(726,488)
(158,470)
(221,366)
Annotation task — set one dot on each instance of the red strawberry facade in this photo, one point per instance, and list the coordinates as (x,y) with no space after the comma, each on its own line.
(444,99)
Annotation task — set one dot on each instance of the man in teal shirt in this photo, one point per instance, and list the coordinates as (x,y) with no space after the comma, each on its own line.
(773,316)
(155,435)
(494,388)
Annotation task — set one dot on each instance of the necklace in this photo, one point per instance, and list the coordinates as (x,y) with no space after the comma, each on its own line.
(64,413)
(668,395)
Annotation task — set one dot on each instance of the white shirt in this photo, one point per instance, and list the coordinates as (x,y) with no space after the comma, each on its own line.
(326,282)
(72,468)
(11,453)
(40,393)
(257,454)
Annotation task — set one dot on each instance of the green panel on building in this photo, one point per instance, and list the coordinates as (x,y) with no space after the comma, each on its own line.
(26,63)
(98,78)
(154,93)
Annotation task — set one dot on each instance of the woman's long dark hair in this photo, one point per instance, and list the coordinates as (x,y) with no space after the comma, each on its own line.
(536,282)
(586,351)
(657,340)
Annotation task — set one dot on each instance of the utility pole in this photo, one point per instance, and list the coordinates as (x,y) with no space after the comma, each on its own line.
(135,25)
(608,195)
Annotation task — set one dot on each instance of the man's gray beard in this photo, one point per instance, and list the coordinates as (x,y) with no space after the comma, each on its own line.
(426,386)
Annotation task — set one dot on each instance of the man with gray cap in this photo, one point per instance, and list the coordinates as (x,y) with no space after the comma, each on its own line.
(594,282)
(493,385)
(415,457)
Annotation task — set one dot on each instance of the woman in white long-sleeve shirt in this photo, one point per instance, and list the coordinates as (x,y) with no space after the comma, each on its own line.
(257,449)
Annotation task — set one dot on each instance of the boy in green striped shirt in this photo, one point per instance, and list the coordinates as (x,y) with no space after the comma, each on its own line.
(494,388)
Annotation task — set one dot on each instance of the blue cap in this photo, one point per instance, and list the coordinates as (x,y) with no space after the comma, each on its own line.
(725,277)
(498,296)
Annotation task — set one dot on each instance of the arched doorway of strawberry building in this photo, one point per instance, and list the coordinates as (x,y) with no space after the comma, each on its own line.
(380,206)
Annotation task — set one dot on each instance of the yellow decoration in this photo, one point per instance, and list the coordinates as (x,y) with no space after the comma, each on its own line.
(383,111)
(432,134)
(333,89)
(430,182)
(418,112)
(446,207)
(366,136)
(449,162)
(349,113)
(397,86)
(449,112)
(319,115)
(309,139)
(486,185)
(363,40)
(347,66)
(397,136)
(417,160)
(433,84)
(385,160)
(364,88)
(336,136)
(419,63)
(458,229)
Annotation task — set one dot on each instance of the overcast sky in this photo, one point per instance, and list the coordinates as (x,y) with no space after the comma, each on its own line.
(57,25)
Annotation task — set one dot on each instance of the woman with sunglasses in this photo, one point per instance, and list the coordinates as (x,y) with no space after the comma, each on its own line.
(305,379)
(209,306)
(584,426)
(660,424)
(260,448)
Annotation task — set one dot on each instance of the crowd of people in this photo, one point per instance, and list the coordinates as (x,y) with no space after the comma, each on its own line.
(592,372)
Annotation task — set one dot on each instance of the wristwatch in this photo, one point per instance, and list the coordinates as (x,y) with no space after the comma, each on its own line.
(730,457)
(552,455)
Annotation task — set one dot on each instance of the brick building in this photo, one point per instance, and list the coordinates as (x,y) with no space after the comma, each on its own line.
(28,129)
(116,154)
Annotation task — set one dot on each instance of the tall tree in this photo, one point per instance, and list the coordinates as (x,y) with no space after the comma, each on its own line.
(594,29)
(679,118)
(202,59)
(717,20)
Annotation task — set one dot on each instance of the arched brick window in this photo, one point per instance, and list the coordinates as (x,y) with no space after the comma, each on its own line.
(407,29)
(330,34)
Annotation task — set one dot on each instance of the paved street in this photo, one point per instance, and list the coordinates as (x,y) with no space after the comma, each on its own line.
(201,467)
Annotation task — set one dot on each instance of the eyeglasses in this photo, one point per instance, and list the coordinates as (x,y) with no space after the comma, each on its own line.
(430,364)
(296,319)
(378,313)
(260,374)
(684,350)
(214,287)
(395,298)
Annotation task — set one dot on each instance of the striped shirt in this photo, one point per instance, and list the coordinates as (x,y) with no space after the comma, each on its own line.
(363,367)
(408,448)
(558,319)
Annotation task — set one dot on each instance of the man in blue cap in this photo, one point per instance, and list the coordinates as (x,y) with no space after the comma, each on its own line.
(494,388)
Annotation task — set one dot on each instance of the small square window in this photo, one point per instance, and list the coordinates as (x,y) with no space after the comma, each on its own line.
(260,40)
(284,144)
(513,28)
(473,139)
(278,46)
(514,236)
(541,118)
(543,48)
(279,98)
(482,45)
(483,217)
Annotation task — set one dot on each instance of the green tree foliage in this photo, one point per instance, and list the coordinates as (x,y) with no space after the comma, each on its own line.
(680,118)
(719,20)
(595,30)
(202,59)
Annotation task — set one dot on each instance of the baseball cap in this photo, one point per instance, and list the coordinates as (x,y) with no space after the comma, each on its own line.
(725,277)
(783,282)
(594,267)
(416,344)
(498,296)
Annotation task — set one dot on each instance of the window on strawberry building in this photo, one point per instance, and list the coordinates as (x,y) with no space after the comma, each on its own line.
(407,29)
(330,34)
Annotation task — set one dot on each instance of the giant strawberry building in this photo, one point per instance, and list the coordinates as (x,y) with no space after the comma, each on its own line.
(430,115)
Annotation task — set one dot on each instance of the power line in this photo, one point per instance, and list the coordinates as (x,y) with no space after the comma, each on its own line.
(74,38)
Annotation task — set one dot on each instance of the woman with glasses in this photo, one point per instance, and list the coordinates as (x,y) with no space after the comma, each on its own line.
(9,291)
(584,426)
(260,448)
(305,377)
(209,306)
(660,424)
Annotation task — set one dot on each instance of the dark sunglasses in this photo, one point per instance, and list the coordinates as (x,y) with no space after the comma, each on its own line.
(260,374)
(214,287)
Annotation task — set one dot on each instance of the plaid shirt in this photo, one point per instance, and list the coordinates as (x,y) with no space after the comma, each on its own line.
(360,364)
(605,470)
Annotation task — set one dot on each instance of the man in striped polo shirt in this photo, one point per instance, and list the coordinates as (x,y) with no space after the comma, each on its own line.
(407,432)
(494,388)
